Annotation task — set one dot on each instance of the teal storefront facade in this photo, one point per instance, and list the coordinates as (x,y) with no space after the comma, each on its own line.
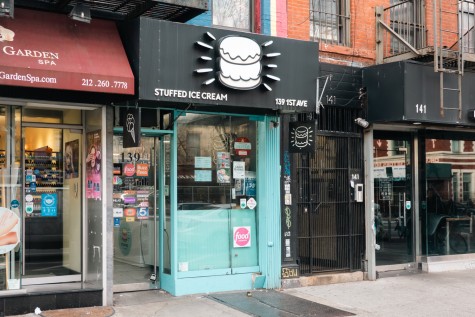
(196,156)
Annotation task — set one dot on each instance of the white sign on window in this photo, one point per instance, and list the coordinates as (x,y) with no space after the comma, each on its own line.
(239,170)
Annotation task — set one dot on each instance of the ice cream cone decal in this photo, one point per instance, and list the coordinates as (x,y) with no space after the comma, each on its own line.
(130,124)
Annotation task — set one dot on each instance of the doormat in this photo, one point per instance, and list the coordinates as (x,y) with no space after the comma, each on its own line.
(274,303)
(99,311)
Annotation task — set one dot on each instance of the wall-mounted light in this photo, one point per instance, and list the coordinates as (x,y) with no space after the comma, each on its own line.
(6,8)
(362,122)
(81,13)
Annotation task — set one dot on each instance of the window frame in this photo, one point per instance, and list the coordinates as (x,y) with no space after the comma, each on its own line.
(340,24)
(251,15)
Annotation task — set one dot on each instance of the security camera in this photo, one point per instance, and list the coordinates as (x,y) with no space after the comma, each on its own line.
(362,122)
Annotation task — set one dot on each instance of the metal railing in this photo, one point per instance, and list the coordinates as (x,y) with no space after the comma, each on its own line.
(401,28)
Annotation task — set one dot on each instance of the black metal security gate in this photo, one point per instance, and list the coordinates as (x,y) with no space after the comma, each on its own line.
(330,223)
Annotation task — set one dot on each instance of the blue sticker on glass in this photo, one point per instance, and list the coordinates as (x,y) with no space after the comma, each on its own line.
(33,187)
(116,222)
(14,204)
(142,213)
(49,205)
(37,172)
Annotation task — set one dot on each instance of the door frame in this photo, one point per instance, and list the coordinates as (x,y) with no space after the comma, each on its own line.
(409,134)
(27,280)
(158,232)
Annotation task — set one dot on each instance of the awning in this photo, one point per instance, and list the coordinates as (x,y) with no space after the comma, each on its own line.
(48,50)
(409,92)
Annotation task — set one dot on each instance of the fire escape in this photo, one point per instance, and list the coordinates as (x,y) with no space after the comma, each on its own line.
(436,32)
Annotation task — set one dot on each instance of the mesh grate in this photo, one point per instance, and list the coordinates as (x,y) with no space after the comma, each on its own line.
(331,224)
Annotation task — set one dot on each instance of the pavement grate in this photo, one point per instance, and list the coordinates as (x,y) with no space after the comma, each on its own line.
(273,303)
(80,312)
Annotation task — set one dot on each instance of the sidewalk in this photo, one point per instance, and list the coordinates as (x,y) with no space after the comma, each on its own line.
(411,294)
(420,294)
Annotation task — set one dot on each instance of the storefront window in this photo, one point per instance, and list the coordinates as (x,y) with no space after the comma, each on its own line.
(448,210)
(10,193)
(216,192)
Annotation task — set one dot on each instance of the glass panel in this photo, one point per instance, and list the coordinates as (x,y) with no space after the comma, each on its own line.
(216,192)
(42,115)
(134,210)
(232,13)
(93,160)
(10,196)
(448,207)
(393,201)
(52,181)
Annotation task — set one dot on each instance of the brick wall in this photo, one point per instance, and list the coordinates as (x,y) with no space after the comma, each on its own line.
(362,49)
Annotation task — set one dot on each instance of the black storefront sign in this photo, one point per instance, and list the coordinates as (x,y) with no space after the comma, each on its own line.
(410,92)
(302,137)
(207,66)
(131,123)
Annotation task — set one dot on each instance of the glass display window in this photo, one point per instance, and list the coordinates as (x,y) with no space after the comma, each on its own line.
(216,192)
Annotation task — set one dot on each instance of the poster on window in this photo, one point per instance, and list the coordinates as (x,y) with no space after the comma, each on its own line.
(71,159)
(242,237)
(93,165)
(223,164)
(9,230)
(49,205)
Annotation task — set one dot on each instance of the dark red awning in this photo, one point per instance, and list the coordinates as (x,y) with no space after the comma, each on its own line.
(48,50)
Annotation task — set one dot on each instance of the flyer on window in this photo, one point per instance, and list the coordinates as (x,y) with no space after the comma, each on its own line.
(93,165)
(223,167)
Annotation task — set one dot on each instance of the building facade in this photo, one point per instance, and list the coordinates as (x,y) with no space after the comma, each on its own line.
(140,153)
(416,60)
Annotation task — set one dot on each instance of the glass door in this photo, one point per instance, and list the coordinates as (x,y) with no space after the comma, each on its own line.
(52,203)
(140,197)
(393,198)
(217,197)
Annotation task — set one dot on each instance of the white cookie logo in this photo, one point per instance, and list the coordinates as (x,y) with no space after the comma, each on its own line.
(6,34)
(301,137)
(240,62)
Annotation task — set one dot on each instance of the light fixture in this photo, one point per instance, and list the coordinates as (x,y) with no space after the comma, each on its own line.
(80,12)
(362,122)
(6,8)
(64,106)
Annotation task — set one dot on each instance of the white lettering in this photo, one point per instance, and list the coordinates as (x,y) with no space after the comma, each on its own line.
(27,77)
(174,93)
(10,50)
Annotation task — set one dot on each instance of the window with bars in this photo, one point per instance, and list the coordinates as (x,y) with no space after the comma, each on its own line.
(235,14)
(466,26)
(407,19)
(330,21)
